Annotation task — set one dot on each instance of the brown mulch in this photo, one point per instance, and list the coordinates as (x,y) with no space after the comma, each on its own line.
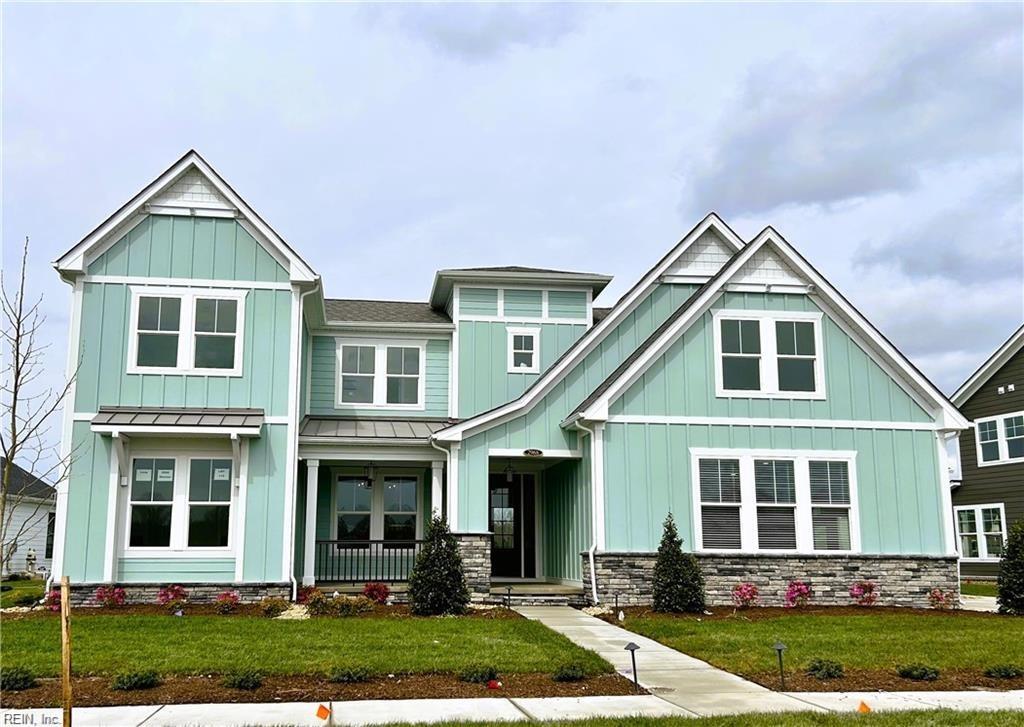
(96,691)
(760,613)
(250,609)
(887,680)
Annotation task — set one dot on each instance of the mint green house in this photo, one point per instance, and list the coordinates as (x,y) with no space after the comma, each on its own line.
(233,428)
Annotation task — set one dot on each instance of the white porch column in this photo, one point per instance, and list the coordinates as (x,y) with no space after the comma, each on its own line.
(436,468)
(309,552)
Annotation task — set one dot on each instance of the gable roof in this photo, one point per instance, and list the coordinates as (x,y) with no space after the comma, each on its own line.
(190,186)
(26,484)
(987,370)
(784,261)
(595,334)
(338,310)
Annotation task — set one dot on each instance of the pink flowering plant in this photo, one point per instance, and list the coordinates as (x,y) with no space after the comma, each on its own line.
(798,594)
(52,600)
(110,596)
(864,593)
(172,597)
(745,595)
(226,602)
(943,600)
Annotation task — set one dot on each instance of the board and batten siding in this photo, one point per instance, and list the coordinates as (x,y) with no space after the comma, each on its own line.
(647,474)
(565,532)
(994,483)
(323,380)
(540,427)
(175,570)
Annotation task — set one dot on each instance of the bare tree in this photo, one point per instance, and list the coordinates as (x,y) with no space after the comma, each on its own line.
(29,407)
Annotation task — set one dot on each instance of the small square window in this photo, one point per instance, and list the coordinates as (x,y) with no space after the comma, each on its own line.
(522,351)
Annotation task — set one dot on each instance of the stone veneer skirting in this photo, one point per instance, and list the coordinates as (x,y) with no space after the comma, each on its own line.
(83,594)
(476,563)
(903,580)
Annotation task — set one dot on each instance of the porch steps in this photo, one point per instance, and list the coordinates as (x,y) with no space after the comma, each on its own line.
(517,600)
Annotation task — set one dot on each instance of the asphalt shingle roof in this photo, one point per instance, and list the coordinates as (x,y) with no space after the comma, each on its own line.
(382,311)
(26,484)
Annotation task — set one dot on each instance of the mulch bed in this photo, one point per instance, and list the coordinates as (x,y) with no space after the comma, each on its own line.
(248,609)
(887,680)
(760,613)
(96,691)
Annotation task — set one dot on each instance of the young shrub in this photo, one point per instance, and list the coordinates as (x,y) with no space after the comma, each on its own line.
(918,672)
(27,599)
(569,673)
(172,598)
(377,592)
(480,674)
(351,606)
(248,679)
(16,679)
(745,595)
(305,592)
(273,607)
(798,594)
(864,593)
(1004,671)
(942,600)
(132,680)
(825,669)
(350,675)
(437,585)
(52,600)
(678,582)
(1010,583)
(320,604)
(227,602)
(110,596)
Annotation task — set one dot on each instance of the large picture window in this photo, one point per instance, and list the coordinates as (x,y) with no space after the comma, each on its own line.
(775,501)
(186,331)
(768,354)
(380,374)
(1000,439)
(981,531)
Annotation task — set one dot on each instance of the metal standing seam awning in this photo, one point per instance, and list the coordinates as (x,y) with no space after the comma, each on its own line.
(348,430)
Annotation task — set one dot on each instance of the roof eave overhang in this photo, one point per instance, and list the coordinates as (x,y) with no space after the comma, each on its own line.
(363,326)
(156,430)
(996,361)
(445,280)
(366,441)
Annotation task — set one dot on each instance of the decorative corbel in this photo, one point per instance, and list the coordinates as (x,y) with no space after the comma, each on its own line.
(119,441)
(236,458)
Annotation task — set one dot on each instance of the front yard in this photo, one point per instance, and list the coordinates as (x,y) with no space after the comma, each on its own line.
(21,590)
(395,656)
(870,644)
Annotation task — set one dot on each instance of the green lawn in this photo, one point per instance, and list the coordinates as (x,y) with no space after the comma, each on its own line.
(927,718)
(978,588)
(19,588)
(872,640)
(105,644)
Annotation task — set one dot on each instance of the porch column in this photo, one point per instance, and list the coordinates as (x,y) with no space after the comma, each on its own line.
(436,468)
(309,553)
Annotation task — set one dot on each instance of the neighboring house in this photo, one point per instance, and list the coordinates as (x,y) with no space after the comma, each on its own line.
(236,429)
(30,521)
(990,497)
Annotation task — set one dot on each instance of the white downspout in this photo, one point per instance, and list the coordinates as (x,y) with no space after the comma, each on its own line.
(593,515)
(447,472)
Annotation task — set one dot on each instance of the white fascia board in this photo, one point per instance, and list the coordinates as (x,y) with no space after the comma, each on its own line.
(946,414)
(177,431)
(592,338)
(995,362)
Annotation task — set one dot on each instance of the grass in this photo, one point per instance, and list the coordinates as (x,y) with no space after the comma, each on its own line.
(872,640)
(20,588)
(978,588)
(107,644)
(925,718)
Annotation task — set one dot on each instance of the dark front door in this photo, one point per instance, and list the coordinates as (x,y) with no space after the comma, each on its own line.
(510,515)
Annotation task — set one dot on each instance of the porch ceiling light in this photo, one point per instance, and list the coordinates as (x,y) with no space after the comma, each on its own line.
(508,471)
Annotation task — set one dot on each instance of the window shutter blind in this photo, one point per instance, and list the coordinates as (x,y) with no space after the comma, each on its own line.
(776,528)
(831,528)
(721,527)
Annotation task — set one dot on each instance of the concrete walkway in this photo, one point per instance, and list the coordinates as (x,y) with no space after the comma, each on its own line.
(979,603)
(681,680)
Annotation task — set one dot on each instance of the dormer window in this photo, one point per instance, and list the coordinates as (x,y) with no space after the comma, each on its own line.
(523,350)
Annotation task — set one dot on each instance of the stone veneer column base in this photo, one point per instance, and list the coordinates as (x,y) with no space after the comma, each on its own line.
(475,549)
(83,594)
(903,580)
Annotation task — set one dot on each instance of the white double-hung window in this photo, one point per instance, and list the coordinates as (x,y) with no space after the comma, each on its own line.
(380,374)
(769,354)
(1000,439)
(384,506)
(981,531)
(186,331)
(775,501)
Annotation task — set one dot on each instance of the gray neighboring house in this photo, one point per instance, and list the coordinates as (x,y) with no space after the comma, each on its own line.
(990,497)
(31,520)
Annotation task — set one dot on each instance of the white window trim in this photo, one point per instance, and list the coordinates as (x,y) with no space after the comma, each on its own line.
(545,315)
(748,498)
(380,376)
(533,333)
(186,329)
(769,370)
(376,498)
(1001,439)
(179,508)
(983,556)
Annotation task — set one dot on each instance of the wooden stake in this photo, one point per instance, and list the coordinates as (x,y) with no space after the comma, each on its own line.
(65,647)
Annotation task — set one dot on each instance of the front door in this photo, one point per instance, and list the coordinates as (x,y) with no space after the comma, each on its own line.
(510,516)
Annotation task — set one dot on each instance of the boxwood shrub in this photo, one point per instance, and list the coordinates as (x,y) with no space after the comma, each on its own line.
(131,680)
(16,679)
(825,669)
(918,672)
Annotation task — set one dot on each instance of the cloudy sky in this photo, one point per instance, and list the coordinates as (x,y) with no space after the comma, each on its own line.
(884,141)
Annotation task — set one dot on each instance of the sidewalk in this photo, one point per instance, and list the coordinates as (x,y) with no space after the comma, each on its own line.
(979,603)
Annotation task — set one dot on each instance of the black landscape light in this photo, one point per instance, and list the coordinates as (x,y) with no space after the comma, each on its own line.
(779,648)
(631,648)
(508,597)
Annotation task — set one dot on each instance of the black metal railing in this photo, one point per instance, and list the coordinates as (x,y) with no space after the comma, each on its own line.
(362,561)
